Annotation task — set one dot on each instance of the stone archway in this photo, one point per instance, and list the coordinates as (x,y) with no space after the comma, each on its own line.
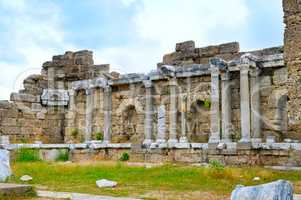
(198,121)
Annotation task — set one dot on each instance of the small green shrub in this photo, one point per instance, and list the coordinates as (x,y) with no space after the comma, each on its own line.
(74,132)
(207,103)
(27,155)
(99,136)
(63,156)
(216,165)
(124,157)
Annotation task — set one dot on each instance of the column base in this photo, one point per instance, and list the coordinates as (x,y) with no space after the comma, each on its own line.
(244,144)
(183,139)
(214,140)
(172,142)
(256,140)
(228,140)
(147,142)
(160,141)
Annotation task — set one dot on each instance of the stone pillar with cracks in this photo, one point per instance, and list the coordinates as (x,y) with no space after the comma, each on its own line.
(148,122)
(226,107)
(107,108)
(215,103)
(173,111)
(255,105)
(89,114)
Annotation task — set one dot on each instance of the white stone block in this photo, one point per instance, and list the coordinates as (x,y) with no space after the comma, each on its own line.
(103,183)
(5,170)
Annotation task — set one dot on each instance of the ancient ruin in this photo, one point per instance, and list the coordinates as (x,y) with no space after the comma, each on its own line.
(198,104)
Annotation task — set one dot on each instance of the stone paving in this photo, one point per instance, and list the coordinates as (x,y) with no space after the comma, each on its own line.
(77,196)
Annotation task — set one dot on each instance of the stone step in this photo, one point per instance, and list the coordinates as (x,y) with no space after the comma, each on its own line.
(16,190)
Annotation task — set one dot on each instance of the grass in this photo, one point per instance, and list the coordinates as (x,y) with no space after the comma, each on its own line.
(27,155)
(168,180)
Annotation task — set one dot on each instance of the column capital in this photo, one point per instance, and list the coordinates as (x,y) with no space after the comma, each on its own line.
(244,69)
(88,91)
(107,88)
(254,72)
(71,92)
(248,59)
(147,83)
(225,76)
(173,81)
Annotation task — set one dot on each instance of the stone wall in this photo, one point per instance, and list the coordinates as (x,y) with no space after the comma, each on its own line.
(37,112)
(292,52)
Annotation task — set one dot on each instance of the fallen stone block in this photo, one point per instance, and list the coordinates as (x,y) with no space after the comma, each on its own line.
(103,183)
(280,190)
(10,191)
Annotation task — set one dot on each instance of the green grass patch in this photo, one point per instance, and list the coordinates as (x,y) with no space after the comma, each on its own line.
(27,155)
(139,181)
(63,156)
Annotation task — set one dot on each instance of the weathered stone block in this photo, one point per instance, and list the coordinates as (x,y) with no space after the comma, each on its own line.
(280,190)
(185,46)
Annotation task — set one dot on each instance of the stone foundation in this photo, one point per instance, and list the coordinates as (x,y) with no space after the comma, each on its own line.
(261,154)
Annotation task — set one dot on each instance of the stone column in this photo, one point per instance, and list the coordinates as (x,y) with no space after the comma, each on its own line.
(148,121)
(245,103)
(173,111)
(255,105)
(161,128)
(183,138)
(72,107)
(89,114)
(215,105)
(226,107)
(107,108)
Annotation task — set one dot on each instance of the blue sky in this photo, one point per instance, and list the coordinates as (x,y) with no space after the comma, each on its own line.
(131,35)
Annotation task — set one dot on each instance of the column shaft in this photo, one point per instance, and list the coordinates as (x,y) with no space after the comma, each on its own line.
(183,138)
(215,106)
(107,108)
(245,103)
(226,107)
(173,112)
(255,106)
(72,107)
(148,121)
(89,114)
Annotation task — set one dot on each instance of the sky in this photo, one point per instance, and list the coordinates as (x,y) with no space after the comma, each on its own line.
(131,35)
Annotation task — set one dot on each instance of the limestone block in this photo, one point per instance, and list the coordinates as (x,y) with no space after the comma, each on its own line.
(265,81)
(5,170)
(280,76)
(280,190)
(24,98)
(232,47)
(103,183)
(51,97)
(185,46)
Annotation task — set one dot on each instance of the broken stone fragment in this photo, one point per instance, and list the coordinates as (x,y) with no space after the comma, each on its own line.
(280,190)
(26,178)
(103,183)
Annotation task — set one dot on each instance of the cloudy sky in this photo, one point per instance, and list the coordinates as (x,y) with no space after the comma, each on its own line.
(131,35)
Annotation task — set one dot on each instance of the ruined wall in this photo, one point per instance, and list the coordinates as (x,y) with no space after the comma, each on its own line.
(292,52)
(186,53)
(26,119)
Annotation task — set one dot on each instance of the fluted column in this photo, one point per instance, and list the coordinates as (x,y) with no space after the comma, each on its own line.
(255,105)
(161,127)
(89,114)
(173,111)
(72,107)
(148,121)
(183,138)
(226,107)
(107,108)
(245,103)
(215,104)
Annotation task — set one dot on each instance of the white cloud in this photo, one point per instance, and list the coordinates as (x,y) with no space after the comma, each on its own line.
(34,35)
(161,24)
